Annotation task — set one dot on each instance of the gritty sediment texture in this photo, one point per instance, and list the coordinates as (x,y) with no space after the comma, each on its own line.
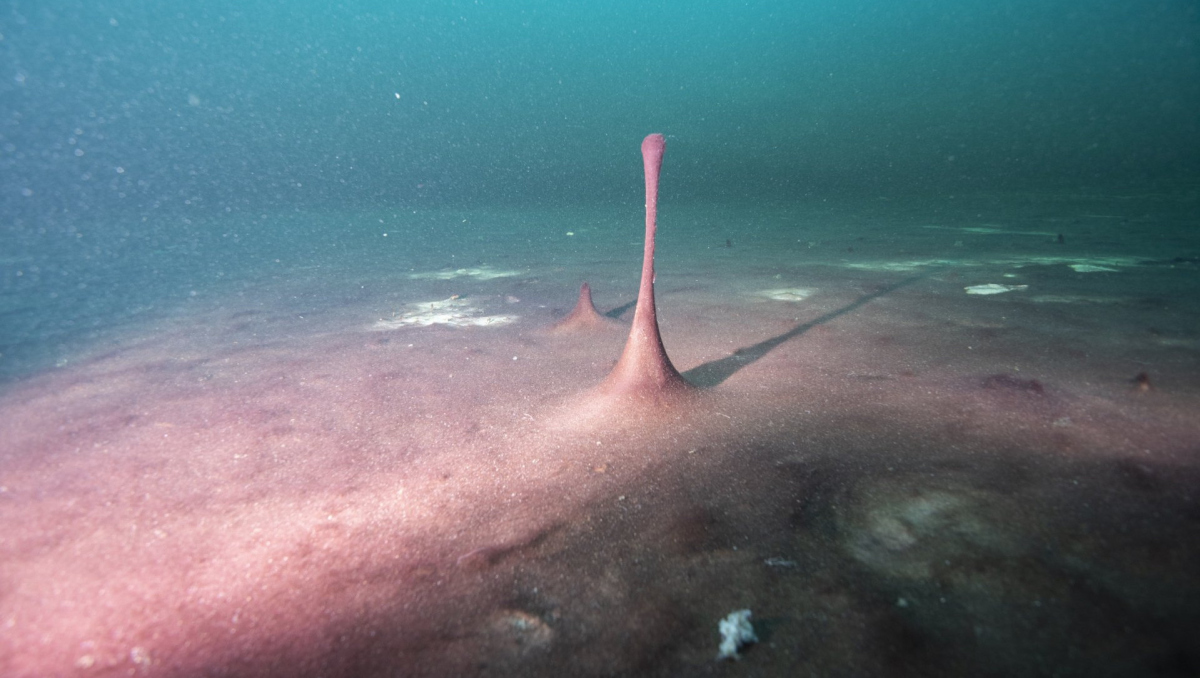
(896,476)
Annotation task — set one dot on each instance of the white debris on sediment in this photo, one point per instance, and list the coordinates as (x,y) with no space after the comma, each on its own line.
(736,632)
(993,288)
(478,273)
(789,294)
(455,311)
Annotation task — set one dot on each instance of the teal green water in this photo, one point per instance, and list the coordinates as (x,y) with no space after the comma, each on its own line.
(147,148)
(141,106)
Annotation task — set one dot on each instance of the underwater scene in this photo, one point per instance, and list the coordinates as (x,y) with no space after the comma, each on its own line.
(489,338)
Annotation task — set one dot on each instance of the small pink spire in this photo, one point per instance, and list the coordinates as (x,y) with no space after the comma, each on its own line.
(584,317)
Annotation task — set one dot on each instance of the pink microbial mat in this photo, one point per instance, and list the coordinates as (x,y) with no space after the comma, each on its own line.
(925,439)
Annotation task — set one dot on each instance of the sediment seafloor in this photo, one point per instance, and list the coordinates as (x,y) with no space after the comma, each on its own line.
(929,442)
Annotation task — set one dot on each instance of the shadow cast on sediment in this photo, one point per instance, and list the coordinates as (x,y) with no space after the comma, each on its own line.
(619,311)
(715,372)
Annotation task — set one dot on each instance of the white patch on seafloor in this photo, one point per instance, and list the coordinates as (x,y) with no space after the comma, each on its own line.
(989,230)
(1073,261)
(993,288)
(1091,268)
(789,294)
(1178,342)
(479,273)
(904,266)
(1016,262)
(1074,299)
(453,312)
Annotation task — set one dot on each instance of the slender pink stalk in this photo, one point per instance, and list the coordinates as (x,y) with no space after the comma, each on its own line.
(644,368)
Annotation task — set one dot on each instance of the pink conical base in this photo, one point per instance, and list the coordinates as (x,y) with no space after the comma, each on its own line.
(584,318)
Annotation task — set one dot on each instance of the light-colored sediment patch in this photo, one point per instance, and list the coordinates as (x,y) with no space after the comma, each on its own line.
(993,288)
(457,312)
(518,632)
(908,529)
(904,266)
(788,294)
(1092,268)
(478,273)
